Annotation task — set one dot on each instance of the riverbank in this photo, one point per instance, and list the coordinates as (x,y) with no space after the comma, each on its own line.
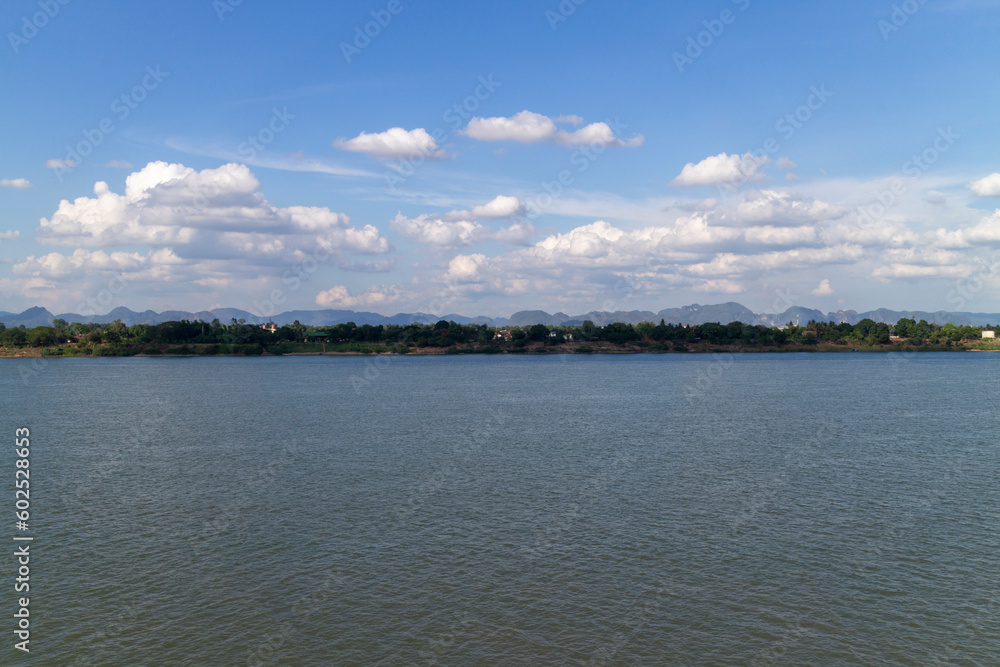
(529,347)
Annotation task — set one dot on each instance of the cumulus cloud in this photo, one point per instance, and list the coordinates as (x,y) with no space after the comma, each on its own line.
(585,262)
(81,262)
(890,271)
(393,144)
(595,133)
(987,187)
(529,127)
(785,163)
(214,212)
(526,127)
(500,206)
(462,228)
(56,163)
(16,183)
(436,231)
(823,289)
(985,232)
(376,295)
(721,169)
(935,197)
(189,236)
(9,235)
(781,208)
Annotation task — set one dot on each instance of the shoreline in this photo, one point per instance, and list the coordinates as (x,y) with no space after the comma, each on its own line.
(38,353)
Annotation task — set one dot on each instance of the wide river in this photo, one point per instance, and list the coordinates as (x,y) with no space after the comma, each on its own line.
(822,509)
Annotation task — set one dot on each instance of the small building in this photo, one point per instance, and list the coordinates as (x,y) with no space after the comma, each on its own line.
(987,333)
(270,326)
(503,334)
(317,337)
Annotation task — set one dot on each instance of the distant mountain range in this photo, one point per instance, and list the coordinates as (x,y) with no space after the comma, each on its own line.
(693,314)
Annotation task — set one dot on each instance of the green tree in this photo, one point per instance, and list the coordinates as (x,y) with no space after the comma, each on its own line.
(538,332)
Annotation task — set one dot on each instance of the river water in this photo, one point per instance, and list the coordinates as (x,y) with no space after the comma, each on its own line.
(511,510)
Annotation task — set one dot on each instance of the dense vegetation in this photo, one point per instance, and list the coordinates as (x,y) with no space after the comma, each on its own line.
(238,337)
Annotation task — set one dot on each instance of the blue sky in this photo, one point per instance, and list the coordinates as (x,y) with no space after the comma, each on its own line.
(485,158)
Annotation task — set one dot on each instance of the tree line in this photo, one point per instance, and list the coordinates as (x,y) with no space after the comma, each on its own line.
(239,337)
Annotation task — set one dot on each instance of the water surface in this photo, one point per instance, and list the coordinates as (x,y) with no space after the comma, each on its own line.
(572,509)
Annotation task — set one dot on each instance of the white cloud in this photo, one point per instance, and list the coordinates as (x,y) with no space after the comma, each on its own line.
(393,144)
(935,197)
(719,286)
(985,232)
(119,164)
(891,271)
(436,231)
(595,133)
(792,177)
(202,237)
(214,212)
(465,268)
(16,183)
(79,264)
(376,295)
(987,187)
(500,206)
(785,163)
(56,163)
(823,289)
(782,208)
(461,228)
(721,169)
(732,264)
(529,127)
(9,235)
(526,127)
